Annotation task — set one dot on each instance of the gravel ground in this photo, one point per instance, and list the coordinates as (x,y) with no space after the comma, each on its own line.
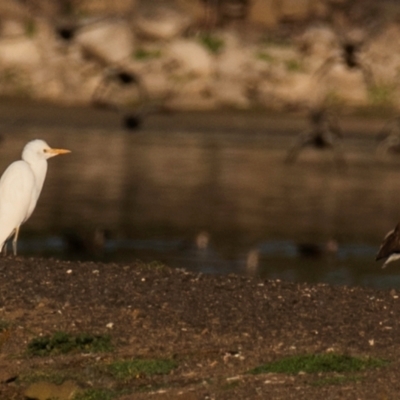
(215,328)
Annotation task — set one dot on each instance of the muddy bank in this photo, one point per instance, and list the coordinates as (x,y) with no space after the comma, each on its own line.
(214,328)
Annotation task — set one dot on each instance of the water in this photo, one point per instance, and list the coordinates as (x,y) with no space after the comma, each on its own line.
(208,192)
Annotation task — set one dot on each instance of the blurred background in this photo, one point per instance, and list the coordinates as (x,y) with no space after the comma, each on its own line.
(259,137)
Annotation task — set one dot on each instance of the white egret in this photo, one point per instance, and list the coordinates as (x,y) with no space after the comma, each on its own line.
(20,187)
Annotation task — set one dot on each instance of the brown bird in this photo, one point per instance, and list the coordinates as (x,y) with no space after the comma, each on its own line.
(390,247)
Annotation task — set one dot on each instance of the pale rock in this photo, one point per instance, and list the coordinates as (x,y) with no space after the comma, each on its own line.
(228,93)
(194,9)
(283,53)
(264,13)
(234,62)
(85,7)
(152,75)
(318,43)
(156,84)
(22,51)
(383,55)
(14,9)
(110,41)
(297,89)
(161,21)
(195,94)
(47,391)
(272,62)
(190,58)
(294,10)
(348,84)
(10,28)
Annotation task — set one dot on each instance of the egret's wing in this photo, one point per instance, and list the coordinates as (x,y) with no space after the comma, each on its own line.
(390,244)
(17,186)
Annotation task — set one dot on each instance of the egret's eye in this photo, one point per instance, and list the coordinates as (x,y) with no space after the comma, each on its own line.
(45,150)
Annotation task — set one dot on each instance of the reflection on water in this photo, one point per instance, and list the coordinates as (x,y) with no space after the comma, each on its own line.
(150,194)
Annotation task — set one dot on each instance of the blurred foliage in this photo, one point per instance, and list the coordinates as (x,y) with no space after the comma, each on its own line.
(143,54)
(212,43)
(262,55)
(293,65)
(30,28)
(381,95)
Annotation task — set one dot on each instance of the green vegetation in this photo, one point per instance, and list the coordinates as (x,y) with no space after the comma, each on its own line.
(143,54)
(51,376)
(132,368)
(62,342)
(95,394)
(30,28)
(314,363)
(293,65)
(4,325)
(212,43)
(333,99)
(153,265)
(14,80)
(9,76)
(268,40)
(262,55)
(381,95)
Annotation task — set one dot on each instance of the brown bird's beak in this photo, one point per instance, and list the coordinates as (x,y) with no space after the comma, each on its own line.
(56,152)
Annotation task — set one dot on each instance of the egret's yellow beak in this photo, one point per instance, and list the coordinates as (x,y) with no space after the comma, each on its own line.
(56,152)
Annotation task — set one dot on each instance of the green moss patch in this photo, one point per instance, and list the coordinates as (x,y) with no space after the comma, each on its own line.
(62,343)
(95,394)
(315,363)
(141,367)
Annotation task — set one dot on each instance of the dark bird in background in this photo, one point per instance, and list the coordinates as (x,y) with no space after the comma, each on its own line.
(115,80)
(355,25)
(390,247)
(118,84)
(101,98)
(316,250)
(324,133)
(350,56)
(86,244)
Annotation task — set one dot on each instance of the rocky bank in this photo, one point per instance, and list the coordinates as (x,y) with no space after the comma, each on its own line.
(193,54)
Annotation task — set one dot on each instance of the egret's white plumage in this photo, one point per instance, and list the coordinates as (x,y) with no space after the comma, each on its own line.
(20,187)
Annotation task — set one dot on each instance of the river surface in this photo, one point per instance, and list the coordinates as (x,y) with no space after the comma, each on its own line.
(209,192)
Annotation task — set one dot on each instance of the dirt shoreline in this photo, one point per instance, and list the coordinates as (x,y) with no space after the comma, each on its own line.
(215,328)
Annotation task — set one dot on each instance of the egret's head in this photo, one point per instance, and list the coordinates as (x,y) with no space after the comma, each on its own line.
(37,150)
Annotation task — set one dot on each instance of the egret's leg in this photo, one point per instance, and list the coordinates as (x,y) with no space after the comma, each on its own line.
(14,242)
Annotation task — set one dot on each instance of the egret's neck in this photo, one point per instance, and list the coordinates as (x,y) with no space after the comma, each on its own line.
(39,168)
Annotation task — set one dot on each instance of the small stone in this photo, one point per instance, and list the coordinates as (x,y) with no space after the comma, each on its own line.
(46,390)
(137,313)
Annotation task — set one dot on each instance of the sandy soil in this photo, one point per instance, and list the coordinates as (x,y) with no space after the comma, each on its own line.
(216,328)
